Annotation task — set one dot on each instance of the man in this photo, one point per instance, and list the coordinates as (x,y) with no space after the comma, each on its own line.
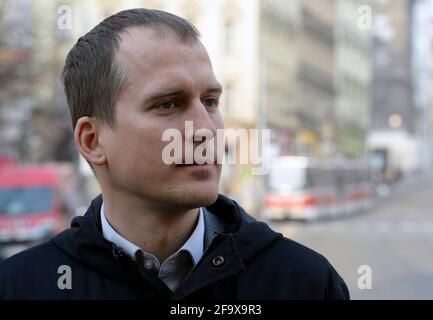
(157,231)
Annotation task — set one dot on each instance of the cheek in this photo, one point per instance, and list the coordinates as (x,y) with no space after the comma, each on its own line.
(138,164)
(137,146)
(146,149)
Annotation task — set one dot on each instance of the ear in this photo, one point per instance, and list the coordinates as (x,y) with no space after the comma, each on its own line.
(86,137)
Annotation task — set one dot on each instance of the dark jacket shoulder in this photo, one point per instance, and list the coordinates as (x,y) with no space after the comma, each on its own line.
(20,274)
(290,270)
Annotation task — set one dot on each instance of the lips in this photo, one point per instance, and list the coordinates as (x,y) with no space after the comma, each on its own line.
(194,164)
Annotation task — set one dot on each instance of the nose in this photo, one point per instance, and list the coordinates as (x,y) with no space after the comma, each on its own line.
(201,119)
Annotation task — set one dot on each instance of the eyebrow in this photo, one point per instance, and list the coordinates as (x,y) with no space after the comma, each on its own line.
(217,88)
(167,92)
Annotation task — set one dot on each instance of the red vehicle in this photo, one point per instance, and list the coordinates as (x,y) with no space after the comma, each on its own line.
(31,209)
(7,161)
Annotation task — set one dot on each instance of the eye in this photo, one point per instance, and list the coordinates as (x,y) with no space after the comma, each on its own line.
(166,105)
(210,102)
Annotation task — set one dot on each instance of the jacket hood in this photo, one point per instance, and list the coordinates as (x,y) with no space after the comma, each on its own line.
(84,241)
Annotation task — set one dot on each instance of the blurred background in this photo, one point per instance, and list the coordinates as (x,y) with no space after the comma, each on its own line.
(345,86)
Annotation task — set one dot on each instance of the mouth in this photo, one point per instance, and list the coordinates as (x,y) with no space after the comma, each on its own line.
(196,165)
(199,172)
(207,162)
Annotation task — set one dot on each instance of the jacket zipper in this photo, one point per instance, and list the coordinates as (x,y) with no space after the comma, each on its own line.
(214,236)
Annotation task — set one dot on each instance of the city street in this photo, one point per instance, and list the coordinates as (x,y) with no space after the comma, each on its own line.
(395,239)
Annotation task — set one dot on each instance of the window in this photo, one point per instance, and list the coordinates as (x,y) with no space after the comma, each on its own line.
(287,178)
(22,200)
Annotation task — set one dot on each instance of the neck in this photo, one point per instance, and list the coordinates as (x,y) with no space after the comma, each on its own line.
(156,230)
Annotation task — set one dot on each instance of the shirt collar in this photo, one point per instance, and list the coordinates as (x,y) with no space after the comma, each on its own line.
(194,244)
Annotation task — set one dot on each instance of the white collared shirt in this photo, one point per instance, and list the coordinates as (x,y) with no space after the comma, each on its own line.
(177,266)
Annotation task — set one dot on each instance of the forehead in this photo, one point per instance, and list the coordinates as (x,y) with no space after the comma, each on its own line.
(161,56)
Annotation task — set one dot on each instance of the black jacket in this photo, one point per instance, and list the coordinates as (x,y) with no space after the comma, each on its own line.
(258,263)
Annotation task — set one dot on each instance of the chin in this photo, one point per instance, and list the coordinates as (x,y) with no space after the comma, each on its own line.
(197,195)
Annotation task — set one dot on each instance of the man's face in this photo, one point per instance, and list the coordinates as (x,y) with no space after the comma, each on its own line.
(170,82)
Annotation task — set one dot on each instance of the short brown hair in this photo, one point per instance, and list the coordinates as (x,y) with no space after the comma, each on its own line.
(92,78)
